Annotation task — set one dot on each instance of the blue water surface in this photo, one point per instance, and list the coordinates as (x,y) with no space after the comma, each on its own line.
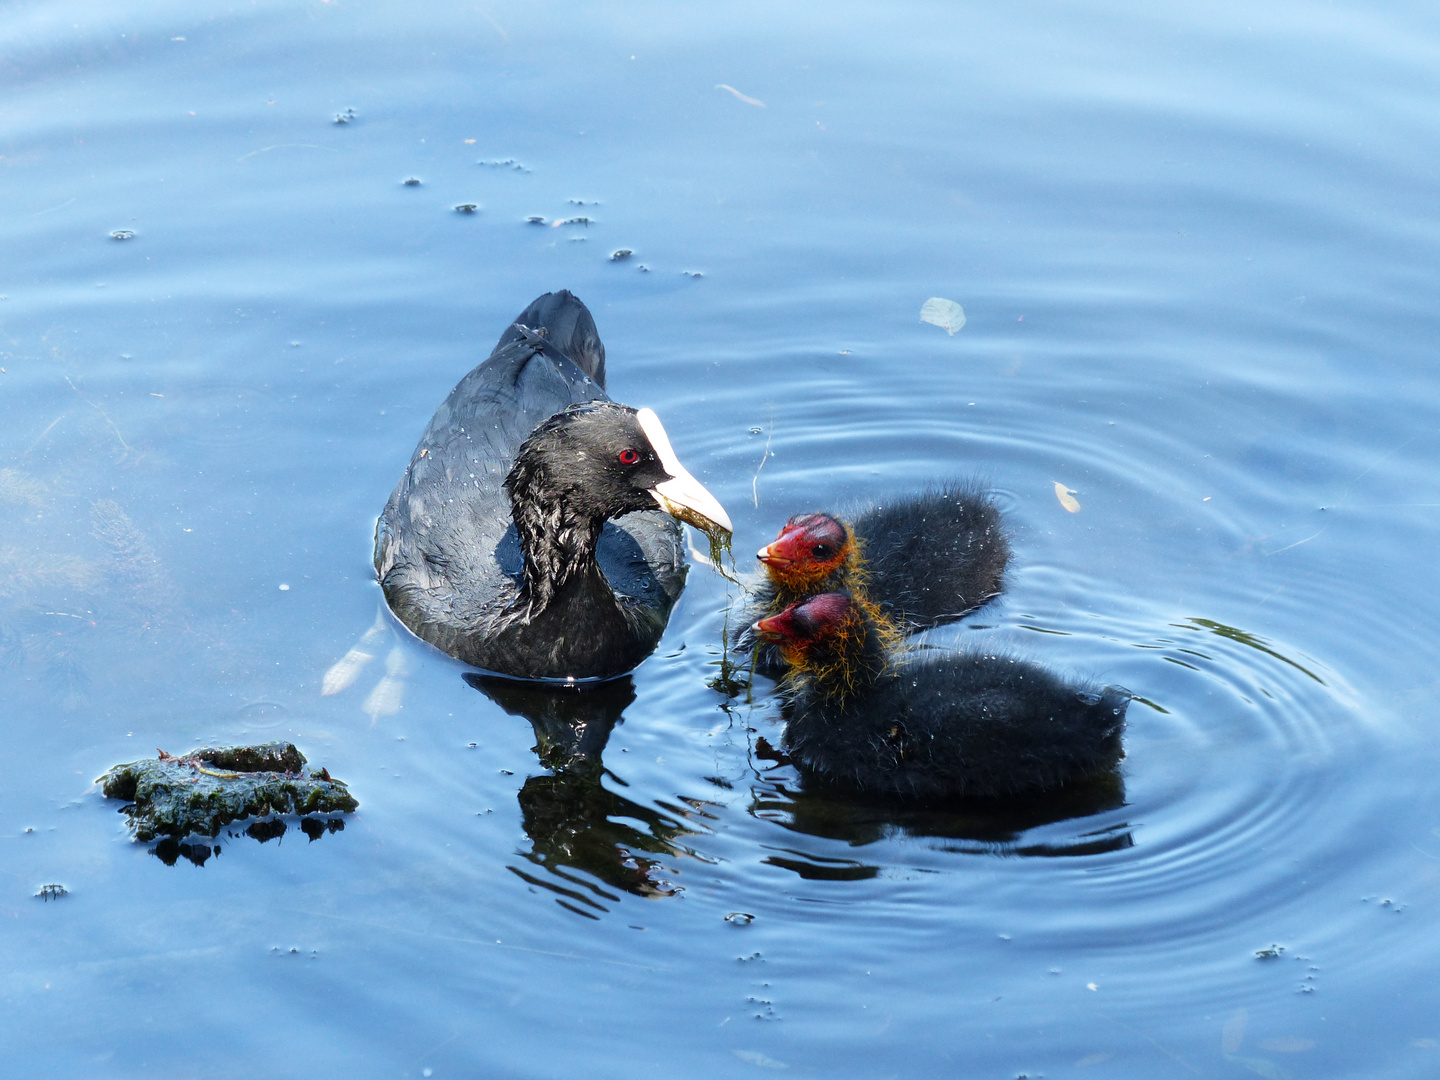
(1198,251)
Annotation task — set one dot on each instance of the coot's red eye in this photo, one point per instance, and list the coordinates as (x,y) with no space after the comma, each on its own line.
(628,456)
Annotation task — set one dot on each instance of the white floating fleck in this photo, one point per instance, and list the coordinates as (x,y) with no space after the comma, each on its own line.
(284,588)
(946,314)
(739,96)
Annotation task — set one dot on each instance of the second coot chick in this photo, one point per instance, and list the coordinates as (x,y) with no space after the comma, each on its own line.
(924,560)
(932,725)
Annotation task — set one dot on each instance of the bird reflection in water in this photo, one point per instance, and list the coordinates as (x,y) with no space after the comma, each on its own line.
(576,823)
(978,826)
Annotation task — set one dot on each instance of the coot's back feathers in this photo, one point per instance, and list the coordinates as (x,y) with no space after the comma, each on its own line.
(569,328)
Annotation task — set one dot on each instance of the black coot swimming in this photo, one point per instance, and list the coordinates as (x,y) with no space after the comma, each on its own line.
(497,545)
(924,560)
(929,724)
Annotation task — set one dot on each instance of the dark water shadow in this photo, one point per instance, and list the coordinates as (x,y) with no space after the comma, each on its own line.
(170,850)
(971,826)
(576,823)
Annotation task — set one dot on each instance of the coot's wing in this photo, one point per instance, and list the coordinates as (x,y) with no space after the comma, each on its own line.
(436,543)
(643,558)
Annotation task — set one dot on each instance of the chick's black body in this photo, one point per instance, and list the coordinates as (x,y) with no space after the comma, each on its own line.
(934,557)
(495,546)
(967,725)
(935,725)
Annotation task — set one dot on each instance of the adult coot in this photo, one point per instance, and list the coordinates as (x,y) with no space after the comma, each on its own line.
(497,545)
(928,724)
(925,560)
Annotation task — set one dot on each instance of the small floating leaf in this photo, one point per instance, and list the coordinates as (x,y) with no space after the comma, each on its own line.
(946,314)
(1066,497)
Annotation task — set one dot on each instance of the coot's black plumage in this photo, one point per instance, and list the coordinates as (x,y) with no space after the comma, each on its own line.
(928,724)
(924,559)
(496,546)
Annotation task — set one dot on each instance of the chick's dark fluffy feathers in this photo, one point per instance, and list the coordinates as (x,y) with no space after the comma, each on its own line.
(967,725)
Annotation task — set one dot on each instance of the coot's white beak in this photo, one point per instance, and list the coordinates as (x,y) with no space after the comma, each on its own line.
(682,496)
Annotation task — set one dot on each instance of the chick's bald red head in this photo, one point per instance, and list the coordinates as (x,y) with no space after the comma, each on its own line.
(807,621)
(808,549)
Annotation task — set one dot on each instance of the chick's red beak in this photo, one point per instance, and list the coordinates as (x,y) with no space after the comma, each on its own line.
(786,548)
(776,626)
(770,557)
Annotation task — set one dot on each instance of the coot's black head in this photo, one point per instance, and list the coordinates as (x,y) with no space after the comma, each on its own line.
(602,459)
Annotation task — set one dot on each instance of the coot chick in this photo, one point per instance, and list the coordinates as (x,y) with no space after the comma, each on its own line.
(925,560)
(928,724)
(497,545)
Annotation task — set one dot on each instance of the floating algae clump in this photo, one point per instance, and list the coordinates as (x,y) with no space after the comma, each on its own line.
(206,789)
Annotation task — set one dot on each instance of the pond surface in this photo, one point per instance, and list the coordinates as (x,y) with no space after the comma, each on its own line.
(1198,252)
